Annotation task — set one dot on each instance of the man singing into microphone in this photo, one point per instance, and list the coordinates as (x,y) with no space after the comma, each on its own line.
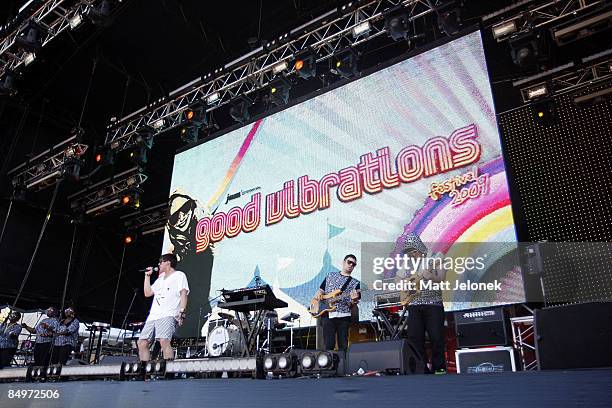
(169,293)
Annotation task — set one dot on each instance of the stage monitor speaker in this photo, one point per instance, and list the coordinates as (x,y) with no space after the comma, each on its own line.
(574,336)
(485,360)
(394,356)
(482,327)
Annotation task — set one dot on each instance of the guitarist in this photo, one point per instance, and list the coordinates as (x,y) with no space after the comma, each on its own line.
(426,310)
(336,323)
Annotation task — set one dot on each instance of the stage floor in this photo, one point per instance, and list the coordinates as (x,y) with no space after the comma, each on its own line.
(576,388)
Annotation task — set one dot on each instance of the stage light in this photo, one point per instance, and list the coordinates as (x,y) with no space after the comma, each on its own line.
(158,124)
(345,63)
(321,363)
(75,21)
(324,360)
(534,92)
(361,29)
(128,239)
(126,200)
(280,67)
(30,39)
(305,64)
(526,49)
(189,114)
(308,361)
(189,134)
(212,98)
(99,13)
(144,143)
(269,362)
(28,58)
(239,111)
(397,23)
(279,91)
(7,83)
(449,20)
(504,29)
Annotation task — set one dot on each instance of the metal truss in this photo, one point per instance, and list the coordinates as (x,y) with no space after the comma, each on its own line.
(53,16)
(586,75)
(568,78)
(106,195)
(149,220)
(325,36)
(543,15)
(47,168)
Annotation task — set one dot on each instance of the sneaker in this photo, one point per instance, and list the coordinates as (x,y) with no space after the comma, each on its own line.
(440,371)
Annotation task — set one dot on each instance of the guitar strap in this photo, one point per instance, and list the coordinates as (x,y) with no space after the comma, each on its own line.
(344,286)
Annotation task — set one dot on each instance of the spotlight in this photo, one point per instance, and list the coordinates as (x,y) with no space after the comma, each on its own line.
(502,30)
(213,98)
(305,64)
(449,19)
(7,83)
(189,114)
(75,21)
(280,67)
(361,29)
(526,49)
(321,362)
(345,63)
(28,58)
(144,143)
(128,239)
(279,91)
(104,156)
(269,362)
(239,111)
(131,198)
(282,365)
(189,134)
(30,39)
(99,13)
(397,23)
(534,92)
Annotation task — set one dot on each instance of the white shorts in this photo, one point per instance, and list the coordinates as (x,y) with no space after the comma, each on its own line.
(162,328)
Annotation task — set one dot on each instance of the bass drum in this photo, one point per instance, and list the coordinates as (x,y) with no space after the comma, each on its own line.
(224,341)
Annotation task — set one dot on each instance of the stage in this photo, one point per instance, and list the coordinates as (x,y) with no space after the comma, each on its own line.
(576,388)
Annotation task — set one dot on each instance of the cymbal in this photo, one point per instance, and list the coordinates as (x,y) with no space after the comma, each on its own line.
(226,316)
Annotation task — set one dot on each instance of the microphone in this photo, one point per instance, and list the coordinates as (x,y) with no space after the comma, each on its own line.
(155,269)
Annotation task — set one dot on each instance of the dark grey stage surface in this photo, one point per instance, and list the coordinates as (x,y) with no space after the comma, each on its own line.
(580,388)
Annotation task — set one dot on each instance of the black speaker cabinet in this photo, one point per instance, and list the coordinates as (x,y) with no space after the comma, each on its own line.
(481,327)
(574,336)
(485,360)
(394,356)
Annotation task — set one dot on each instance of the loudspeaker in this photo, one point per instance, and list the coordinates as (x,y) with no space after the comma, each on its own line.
(574,336)
(394,356)
(485,360)
(483,327)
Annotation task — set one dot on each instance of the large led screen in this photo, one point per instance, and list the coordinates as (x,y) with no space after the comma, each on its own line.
(413,148)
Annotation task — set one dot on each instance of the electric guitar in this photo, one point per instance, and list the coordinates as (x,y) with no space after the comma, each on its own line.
(315,304)
(407,296)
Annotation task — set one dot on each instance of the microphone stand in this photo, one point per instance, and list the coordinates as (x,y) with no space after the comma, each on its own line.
(125,320)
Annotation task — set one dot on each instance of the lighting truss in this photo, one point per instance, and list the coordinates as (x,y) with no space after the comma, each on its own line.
(105,196)
(325,36)
(52,15)
(542,15)
(49,167)
(149,220)
(569,77)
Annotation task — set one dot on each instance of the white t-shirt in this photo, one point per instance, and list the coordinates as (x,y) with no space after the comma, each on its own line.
(167,295)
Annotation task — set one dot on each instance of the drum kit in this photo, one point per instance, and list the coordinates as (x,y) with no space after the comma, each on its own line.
(224,338)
